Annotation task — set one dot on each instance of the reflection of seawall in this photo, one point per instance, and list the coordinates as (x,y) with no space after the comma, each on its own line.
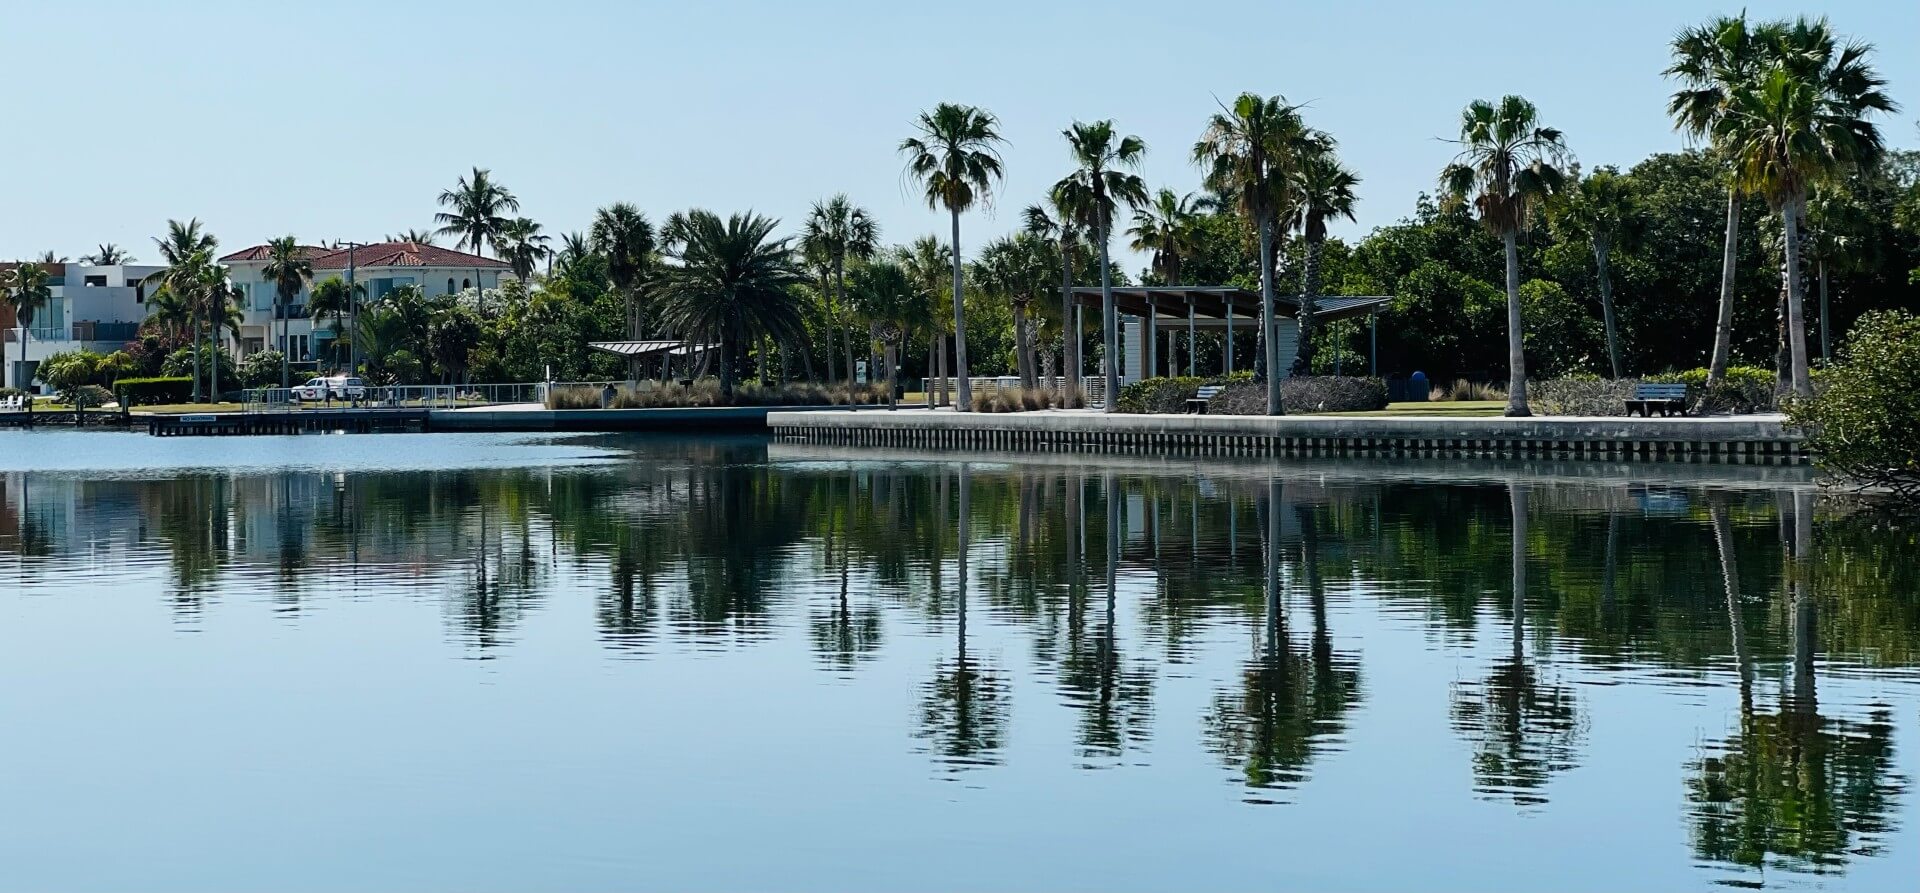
(1724,439)
(1451,469)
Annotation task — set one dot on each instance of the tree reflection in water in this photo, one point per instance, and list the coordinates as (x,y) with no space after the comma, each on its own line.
(1522,729)
(1791,789)
(1291,704)
(963,708)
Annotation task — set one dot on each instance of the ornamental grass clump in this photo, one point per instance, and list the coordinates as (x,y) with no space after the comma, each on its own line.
(1863,423)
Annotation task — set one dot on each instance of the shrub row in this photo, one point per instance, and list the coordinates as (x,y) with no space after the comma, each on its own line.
(1244,396)
(706,392)
(153,391)
(1747,389)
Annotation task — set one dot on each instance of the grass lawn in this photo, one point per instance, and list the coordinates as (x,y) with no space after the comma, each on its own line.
(179,408)
(1458,409)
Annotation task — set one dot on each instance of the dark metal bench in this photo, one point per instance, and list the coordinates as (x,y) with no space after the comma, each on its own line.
(1666,398)
(1198,402)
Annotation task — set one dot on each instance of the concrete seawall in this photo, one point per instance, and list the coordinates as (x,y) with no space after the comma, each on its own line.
(1758,439)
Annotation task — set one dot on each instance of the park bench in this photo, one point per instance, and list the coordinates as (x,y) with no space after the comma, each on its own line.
(1667,398)
(1198,402)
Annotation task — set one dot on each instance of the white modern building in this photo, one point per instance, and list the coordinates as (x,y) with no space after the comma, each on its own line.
(92,307)
(378,268)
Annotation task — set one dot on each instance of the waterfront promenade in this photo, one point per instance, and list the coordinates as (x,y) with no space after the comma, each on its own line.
(1750,438)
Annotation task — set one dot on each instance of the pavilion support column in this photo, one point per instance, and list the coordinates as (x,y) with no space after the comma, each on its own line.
(1150,333)
(1191,344)
(1226,342)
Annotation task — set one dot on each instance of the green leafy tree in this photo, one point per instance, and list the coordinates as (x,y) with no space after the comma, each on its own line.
(1018,269)
(1060,226)
(187,250)
(26,290)
(835,233)
(1322,189)
(523,246)
(1802,121)
(926,262)
(1508,164)
(477,208)
(332,299)
(730,284)
(1102,180)
(955,155)
(622,236)
(288,270)
(1865,422)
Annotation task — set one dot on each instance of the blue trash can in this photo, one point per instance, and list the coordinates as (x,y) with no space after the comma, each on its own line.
(1417,385)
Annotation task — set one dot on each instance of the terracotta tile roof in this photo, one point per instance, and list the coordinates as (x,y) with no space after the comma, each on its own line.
(263,252)
(54,269)
(407,254)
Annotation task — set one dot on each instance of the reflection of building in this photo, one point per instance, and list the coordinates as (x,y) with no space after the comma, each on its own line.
(379,269)
(92,307)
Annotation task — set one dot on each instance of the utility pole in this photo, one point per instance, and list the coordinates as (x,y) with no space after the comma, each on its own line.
(353,307)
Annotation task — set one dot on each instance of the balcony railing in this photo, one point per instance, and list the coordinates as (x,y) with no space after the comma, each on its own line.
(295,311)
(81,331)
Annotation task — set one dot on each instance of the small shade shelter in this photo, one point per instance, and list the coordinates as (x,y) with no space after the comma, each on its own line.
(640,351)
(1216,309)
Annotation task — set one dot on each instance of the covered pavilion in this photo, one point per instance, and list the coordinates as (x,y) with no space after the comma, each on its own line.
(1215,309)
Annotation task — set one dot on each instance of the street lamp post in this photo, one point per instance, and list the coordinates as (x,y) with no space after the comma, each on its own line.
(353,307)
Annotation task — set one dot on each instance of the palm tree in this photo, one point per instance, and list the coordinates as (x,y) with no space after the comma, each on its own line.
(1061,226)
(956,156)
(1603,210)
(108,255)
(479,208)
(1247,151)
(331,298)
(1800,122)
(926,262)
(522,245)
(1508,164)
(1017,268)
(1322,190)
(885,294)
(622,234)
(222,301)
(730,284)
(186,249)
(1098,187)
(836,232)
(1164,231)
(49,257)
(26,291)
(416,236)
(287,270)
(1712,60)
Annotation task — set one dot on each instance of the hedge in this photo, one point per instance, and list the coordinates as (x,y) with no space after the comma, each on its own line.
(153,391)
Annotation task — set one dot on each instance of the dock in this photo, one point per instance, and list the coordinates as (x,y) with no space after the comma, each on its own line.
(299,421)
(1763,439)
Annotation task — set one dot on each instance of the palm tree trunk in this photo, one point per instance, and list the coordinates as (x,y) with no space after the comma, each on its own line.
(893,376)
(1309,308)
(213,365)
(1723,330)
(726,363)
(286,348)
(196,355)
(1796,315)
(1600,247)
(1022,358)
(933,365)
(1826,340)
(1271,351)
(1109,325)
(963,400)
(1516,353)
(1069,333)
(846,337)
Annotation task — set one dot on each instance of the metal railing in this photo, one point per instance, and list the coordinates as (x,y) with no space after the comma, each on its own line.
(59,333)
(434,396)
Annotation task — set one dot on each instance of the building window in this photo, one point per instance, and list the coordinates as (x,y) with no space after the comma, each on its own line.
(449,285)
(96,281)
(466,284)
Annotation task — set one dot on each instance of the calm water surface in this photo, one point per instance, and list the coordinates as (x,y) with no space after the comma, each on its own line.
(473,663)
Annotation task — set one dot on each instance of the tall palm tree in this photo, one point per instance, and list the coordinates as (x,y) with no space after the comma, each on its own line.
(1508,164)
(1322,190)
(186,249)
(730,284)
(836,232)
(956,156)
(478,211)
(522,245)
(287,270)
(26,291)
(108,255)
(1603,210)
(1246,151)
(1102,182)
(1800,122)
(331,297)
(416,236)
(1163,230)
(222,301)
(926,262)
(1061,227)
(623,235)
(1711,61)
(1017,268)
(49,256)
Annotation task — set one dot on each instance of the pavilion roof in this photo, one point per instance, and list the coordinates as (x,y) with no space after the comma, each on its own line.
(1212,301)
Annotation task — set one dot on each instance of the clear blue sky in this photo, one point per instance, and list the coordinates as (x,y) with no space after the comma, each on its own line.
(345,120)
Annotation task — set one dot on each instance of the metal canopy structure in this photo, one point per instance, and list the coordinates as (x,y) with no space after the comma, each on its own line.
(1216,301)
(639,349)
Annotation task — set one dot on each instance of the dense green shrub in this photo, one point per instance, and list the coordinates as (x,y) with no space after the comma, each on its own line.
(70,370)
(261,369)
(1333,393)
(1243,397)
(180,363)
(1864,422)
(153,391)
(1159,394)
(706,392)
(1580,395)
(88,396)
(1747,389)
(1021,400)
